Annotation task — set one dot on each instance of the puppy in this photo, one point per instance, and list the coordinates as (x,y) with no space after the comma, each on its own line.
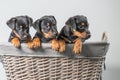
(46,32)
(75,31)
(20,30)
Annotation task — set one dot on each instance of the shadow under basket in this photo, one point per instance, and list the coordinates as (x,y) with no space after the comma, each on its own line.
(46,64)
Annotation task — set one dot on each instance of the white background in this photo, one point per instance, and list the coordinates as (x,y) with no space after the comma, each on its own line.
(103,15)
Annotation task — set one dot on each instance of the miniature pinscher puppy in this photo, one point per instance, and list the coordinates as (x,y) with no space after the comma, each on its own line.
(20,30)
(46,32)
(75,31)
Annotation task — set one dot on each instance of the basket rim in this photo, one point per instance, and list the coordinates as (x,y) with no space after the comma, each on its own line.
(100,50)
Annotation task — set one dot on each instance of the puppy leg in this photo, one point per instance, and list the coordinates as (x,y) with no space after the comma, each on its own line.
(77,46)
(55,44)
(16,42)
(30,43)
(62,46)
(36,42)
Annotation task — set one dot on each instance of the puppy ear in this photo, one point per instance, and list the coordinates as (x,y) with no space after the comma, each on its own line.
(11,23)
(30,20)
(36,25)
(79,18)
(53,19)
(67,31)
(71,22)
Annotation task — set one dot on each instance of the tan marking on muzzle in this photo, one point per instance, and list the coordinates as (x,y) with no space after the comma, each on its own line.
(17,34)
(47,35)
(79,34)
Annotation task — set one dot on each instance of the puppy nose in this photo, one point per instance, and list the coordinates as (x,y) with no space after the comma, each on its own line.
(87,31)
(88,36)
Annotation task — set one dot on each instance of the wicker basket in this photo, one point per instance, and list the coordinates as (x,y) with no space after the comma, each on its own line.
(45,64)
(35,68)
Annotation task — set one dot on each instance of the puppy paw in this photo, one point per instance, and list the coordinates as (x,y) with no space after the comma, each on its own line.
(16,42)
(30,44)
(77,46)
(55,44)
(62,46)
(36,43)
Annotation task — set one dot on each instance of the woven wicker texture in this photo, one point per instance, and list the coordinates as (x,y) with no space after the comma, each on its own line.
(36,68)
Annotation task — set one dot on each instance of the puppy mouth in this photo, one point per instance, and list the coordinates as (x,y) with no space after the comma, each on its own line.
(83,35)
(49,34)
(21,36)
(88,36)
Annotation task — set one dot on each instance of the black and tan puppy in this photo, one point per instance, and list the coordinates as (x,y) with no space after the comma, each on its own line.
(75,31)
(20,30)
(46,32)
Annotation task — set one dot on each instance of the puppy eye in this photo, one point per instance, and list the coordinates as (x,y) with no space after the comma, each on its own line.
(81,27)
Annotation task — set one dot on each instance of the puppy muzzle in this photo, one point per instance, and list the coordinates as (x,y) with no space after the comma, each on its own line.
(88,35)
(54,34)
(50,34)
(24,37)
(21,36)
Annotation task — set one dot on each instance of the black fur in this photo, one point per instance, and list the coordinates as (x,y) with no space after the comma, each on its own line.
(42,24)
(20,25)
(74,23)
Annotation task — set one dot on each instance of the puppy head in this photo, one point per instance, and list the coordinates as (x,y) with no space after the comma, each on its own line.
(79,25)
(20,25)
(46,26)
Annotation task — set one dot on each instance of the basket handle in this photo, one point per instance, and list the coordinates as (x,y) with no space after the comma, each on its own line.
(104,37)
(1,58)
